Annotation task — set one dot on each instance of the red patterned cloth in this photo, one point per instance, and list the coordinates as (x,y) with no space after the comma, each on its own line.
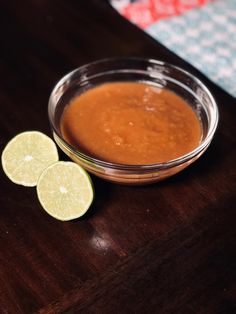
(146,12)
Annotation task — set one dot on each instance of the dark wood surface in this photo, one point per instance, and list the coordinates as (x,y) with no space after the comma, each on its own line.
(164,248)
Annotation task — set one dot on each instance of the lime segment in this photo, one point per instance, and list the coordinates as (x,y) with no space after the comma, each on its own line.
(27,155)
(65,190)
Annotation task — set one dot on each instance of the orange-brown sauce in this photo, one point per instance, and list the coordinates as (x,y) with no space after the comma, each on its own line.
(131,123)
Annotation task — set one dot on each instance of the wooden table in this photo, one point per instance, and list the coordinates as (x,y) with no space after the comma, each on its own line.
(164,248)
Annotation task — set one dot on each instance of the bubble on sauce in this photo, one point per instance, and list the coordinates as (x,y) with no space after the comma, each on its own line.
(118,140)
(150,108)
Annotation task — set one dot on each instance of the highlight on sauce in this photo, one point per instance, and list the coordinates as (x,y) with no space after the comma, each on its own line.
(131,123)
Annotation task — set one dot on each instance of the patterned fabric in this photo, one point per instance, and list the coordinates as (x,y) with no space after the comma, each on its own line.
(146,12)
(204,36)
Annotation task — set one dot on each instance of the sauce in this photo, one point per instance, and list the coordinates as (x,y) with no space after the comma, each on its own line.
(131,123)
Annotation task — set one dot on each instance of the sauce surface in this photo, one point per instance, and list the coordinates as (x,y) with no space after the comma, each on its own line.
(131,123)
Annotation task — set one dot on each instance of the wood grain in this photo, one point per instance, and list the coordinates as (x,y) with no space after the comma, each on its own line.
(163,248)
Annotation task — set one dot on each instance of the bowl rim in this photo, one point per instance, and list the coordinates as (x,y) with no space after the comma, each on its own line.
(131,167)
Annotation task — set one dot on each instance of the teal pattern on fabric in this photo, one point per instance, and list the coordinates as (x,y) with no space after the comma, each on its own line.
(206,38)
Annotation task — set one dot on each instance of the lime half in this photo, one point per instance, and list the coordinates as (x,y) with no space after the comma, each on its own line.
(65,190)
(26,156)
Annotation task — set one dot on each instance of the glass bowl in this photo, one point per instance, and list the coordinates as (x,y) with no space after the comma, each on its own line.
(150,71)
